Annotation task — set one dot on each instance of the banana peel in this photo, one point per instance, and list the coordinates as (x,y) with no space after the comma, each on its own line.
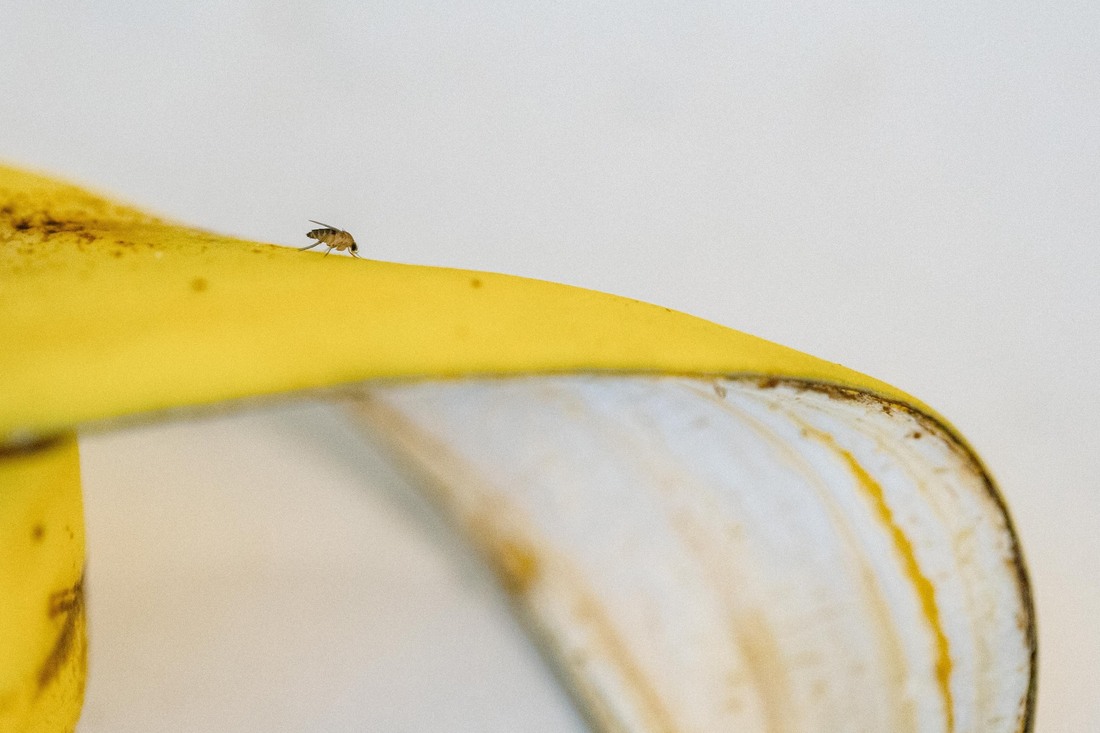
(112,312)
(42,633)
(109,313)
(726,554)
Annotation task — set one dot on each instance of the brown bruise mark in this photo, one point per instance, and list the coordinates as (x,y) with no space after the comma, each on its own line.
(38,531)
(47,221)
(69,605)
(518,566)
(62,206)
(45,226)
(199,284)
(475,283)
(16,448)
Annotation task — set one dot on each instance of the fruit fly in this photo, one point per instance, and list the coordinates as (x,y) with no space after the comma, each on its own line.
(336,239)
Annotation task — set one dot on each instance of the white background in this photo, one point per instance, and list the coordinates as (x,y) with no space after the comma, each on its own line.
(910,189)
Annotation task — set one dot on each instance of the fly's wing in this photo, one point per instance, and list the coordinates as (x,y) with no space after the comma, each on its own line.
(327,226)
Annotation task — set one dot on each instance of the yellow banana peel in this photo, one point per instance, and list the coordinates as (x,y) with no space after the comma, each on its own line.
(112,312)
(107,312)
(42,642)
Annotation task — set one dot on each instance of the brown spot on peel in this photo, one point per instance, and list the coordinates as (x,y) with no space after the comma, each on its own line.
(518,566)
(27,445)
(69,604)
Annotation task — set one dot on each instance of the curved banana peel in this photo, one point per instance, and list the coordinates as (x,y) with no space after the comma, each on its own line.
(111,313)
(117,313)
(731,554)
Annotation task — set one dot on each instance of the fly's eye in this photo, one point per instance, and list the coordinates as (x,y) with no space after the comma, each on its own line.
(355,248)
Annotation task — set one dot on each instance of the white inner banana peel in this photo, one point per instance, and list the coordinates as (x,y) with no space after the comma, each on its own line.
(701,555)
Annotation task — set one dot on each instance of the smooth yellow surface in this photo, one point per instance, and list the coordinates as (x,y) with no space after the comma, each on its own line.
(105,311)
(42,634)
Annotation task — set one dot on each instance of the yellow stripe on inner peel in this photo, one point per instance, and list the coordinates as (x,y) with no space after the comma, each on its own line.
(926,592)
